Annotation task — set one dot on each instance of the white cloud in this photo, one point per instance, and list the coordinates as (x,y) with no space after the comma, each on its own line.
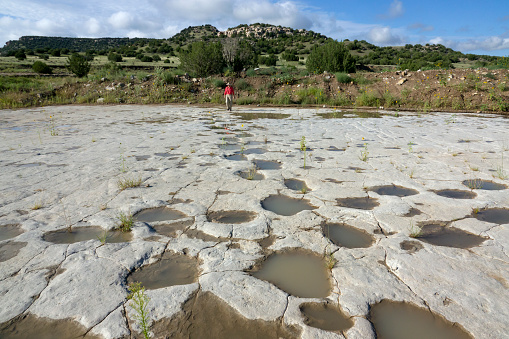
(93,27)
(491,43)
(284,13)
(384,36)
(395,10)
(121,20)
(421,27)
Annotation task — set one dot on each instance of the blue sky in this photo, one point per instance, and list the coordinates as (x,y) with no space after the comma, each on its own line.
(468,26)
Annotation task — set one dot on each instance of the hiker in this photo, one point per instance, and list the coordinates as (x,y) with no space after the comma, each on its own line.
(229,93)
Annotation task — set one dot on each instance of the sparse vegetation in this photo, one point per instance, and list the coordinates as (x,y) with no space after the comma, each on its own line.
(139,303)
(125,221)
(125,183)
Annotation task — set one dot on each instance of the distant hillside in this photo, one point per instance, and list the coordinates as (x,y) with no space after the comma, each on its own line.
(73,44)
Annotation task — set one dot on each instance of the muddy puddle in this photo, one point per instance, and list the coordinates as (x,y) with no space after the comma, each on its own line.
(236,157)
(158,214)
(363,203)
(394,190)
(261,115)
(32,327)
(483,185)
(251,174)
(10,249)
(440,235)
(78,234)
(10,231)
(410,246)
(456,194)
(325,316)
(172,269)
(207,316)
(231,217)
(297,185)
(347,236)
(171,230)
(254,151)
(397,320)
(229,147)
(267,165)
(283,205)
(350,115)
(299,273)
(494,215)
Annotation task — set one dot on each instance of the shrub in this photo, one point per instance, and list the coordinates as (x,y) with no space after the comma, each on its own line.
(146,58)
(41,67)
(203,59)
(251,72)
(218,82)
(343,78)
(331,57)
(78,65)
(20,55)
(242,84)
(114,57)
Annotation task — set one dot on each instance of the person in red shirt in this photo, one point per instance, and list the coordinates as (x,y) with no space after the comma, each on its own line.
(228,94)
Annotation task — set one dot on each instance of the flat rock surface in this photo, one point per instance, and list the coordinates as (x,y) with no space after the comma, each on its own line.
(68,167)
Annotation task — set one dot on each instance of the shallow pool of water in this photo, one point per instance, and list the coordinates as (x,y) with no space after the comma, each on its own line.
(397,320)
(347,236)
(267,165)
(261,115)
(10,249)
(364,203)
(296,272)
(236,157)
(158,214)
(32,327)
(394,190)
(494,215)
(456,194)
(10,231)
(170,270)
(86,233)
(283,205)
(439,235)
(325,316)
(231,217)
(297,185)
(483,185)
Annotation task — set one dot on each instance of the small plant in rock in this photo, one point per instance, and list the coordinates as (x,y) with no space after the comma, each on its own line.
(251,173)
(103,237)
(474,183)
(475,210)
(139,303)
(125,221)
(304,190)
(330,261)
(410,149)
(123,166)
(125,183)
(365,152)
(415,231)
(37,206)
(52,130)
(303,148)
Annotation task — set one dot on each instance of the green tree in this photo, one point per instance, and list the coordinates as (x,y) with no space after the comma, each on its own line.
(78,65)
(20,55)
(114,57)
(41,67)
(202,58)
(331,57)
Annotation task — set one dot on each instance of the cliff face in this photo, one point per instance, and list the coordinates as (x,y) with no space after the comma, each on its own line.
(265,31)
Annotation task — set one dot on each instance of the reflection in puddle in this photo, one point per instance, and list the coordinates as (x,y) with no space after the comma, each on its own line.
(394,190)
(494,215)
(411,246)
(170,230)
(440,235)
(456,194)
(297,185)
(347,236)
(397,320)
(365,203)
(158,214)
(172,269)
(253,116)
(349,114)
(78,234)
(251,174)
(231,217)
(207,316)
(296,272)
(283,205)
(32,327)
(325,317)
(10,249)
(254,151)
(9,231)
(483,185)
(267,165)
(236,157)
